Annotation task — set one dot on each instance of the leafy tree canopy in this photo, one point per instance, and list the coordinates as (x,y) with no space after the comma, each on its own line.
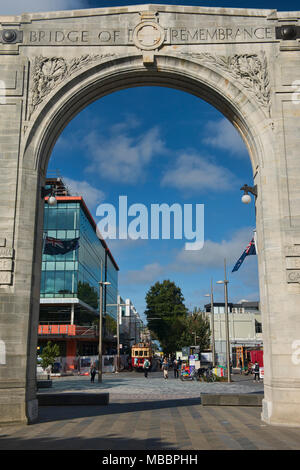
(196,330)
(165,312)
(49,354)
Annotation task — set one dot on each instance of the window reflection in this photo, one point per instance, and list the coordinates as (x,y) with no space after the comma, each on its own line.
(77,273)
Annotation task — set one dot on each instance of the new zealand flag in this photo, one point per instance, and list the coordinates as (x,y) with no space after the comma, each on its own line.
(54,246)
(250,250)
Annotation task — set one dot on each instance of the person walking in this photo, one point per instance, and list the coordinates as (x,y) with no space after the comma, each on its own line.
(165,368)
(241,366)
(146,367)
(256,372)
(93,372)
(175,368)
(249,368)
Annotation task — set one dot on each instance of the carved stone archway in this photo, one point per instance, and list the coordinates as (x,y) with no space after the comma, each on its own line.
(244,62)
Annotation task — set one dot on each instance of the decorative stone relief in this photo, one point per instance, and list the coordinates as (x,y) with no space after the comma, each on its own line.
(249,69)
(293,263)
(6,263)
(148,35)
(49,72)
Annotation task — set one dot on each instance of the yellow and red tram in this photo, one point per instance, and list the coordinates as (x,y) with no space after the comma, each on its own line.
(139,353)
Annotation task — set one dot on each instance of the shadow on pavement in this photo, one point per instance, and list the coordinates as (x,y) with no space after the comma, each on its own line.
(109,442)
(57,413)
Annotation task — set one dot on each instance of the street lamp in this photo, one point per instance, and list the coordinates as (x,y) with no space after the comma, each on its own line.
(118,305)
(246,198)
(225,282)
(52,201)
(212,323)
(101,284)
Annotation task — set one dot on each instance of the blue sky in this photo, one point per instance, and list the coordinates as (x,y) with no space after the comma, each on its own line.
(149,143)
(159,145)
(18,6)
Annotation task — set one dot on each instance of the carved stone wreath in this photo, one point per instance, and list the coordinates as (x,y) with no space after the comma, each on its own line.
(249,69)
(49,72)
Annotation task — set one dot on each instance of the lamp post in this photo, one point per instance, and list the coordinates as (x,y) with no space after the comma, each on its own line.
(118,305)
(225,282)
(101,284)
(212,313)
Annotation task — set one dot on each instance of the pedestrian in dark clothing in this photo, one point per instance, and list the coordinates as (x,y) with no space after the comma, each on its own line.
(175,368)
(256,372)
(241,366)
(146,367)
(93,373)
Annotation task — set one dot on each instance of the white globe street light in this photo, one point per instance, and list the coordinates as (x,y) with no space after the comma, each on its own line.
(246,198)
(49,192)
(52,201)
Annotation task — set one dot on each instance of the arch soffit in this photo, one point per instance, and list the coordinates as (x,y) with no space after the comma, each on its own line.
(203,78)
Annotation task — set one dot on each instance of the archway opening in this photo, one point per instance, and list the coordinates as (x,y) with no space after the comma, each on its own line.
(155,146)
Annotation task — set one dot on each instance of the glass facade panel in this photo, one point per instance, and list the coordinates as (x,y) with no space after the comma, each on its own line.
(112,289)
(78,272)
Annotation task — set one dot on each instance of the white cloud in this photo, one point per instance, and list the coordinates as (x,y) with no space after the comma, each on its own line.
(213,253)
(148,274)
(194,173)
(223,135)
(92,196)
(211,257)
(17,7)
(121,157)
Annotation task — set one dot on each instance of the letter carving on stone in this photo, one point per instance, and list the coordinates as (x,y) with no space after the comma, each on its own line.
(249,69)
(49,72)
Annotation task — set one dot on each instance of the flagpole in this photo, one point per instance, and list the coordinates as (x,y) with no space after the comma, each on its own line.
(100,327)
(227,323)
(212,324)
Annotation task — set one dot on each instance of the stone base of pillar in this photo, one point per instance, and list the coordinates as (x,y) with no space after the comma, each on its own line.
(283,410)
(15,410)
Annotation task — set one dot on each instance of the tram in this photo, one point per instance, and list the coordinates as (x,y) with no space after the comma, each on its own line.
(140,352)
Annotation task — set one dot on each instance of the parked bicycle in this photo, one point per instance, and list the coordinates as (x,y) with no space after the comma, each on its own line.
(193,375)
(206,375)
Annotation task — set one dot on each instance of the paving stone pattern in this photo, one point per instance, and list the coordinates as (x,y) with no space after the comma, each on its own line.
(149,414)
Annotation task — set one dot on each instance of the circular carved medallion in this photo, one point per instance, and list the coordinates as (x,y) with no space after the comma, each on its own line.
(9,35)
(148,35)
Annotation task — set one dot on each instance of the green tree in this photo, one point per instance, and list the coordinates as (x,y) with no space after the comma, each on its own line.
(49,354)
(196,327)
(165,312)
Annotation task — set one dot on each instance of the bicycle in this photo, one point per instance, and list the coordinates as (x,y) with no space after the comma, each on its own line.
(210,376)
(206,375)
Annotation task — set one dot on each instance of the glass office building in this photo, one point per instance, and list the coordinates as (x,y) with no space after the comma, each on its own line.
(76,274)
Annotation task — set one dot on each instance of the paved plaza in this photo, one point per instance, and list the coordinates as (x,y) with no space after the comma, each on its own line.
(149,414)
(133,385)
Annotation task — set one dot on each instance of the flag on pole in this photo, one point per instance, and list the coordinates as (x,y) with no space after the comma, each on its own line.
(55,246)
(250,250)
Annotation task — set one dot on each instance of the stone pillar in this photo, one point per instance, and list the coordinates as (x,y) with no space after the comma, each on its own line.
(280,270)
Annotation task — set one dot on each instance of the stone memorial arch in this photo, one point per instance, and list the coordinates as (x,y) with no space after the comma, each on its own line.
(244,62)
